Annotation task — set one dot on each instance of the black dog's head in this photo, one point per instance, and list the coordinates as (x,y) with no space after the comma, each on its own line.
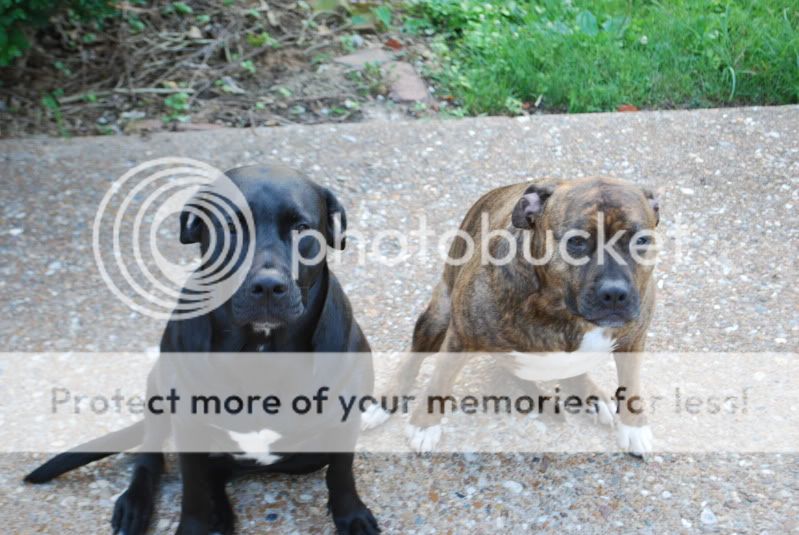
(286,208)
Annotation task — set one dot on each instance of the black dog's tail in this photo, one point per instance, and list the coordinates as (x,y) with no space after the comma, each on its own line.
(86,453)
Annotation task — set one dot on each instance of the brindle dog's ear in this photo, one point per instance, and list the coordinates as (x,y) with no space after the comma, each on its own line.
(654,203)
(191,225)
(336,221)
(530,205)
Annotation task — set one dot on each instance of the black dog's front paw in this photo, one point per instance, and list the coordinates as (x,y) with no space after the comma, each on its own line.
(360,521)
(132,511)
(192,526)
(223,519)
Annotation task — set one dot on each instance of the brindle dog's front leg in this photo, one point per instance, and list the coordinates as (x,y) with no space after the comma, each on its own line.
(424,429)
(633,433)
(401,384)
(428,337)
(593,396)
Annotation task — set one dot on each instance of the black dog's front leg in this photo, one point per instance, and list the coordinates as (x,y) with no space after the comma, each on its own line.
(133,509)
(220,470)
(351,516)
(195,513)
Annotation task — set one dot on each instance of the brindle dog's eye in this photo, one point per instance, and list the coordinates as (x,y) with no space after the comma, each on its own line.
(577,242)
(231,226)
(643,240)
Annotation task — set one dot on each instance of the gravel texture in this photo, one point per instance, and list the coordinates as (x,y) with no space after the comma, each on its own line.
(730,178)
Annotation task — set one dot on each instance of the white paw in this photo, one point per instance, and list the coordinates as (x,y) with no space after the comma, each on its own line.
(423,439)
(635,440)
(604,413)
(374,416)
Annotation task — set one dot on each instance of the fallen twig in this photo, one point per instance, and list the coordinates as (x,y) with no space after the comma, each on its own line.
(123,91)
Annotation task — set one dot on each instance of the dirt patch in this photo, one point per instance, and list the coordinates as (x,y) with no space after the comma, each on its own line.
(245,65)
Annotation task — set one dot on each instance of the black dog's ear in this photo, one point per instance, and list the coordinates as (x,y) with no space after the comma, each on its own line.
(530,205)
(191,225)
(191,335)
(336,221)
(654,203)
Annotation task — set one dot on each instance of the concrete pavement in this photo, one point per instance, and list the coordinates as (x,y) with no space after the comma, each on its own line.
(731,177)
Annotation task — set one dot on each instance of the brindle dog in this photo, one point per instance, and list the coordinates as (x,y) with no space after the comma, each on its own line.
(554,307)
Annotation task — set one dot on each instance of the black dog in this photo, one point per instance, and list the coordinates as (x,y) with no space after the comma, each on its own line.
(269,312)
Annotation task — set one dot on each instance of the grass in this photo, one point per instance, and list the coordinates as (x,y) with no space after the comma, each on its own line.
(579,56)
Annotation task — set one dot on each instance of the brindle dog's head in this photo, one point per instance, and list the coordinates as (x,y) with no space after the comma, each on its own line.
(600,285)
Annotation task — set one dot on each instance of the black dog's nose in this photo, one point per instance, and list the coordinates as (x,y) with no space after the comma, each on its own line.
(613,293)
(269,283)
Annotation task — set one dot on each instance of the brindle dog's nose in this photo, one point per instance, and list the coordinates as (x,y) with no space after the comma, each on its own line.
(613,294)
(269,283)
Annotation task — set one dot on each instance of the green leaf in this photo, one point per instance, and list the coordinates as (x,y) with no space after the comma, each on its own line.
(383,14)
(248,66)
(50,102)
(62,68)
(258,40)
(328,5)
(514,106)
(361,22)
(615,25)
(182,8)
(177,102)
(586,21)
(415,26)
(135,24)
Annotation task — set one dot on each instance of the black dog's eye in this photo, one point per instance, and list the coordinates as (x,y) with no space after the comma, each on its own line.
(643,240)
(301,227)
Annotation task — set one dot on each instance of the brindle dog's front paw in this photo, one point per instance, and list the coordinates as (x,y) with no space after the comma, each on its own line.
(132,511)
(423,439)
(374,416)
(637,441)
(359,521)
(604,412)
(423,430)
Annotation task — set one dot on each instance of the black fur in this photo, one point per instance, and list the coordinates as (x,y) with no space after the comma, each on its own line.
(276,197)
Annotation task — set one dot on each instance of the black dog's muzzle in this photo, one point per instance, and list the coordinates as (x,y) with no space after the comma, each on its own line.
(268,296)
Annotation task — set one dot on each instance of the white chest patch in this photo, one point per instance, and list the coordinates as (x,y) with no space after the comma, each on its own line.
(594,350)
(263,328)
(255,445)
(597,341)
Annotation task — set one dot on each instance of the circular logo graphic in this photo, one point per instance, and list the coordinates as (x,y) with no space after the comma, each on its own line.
(136,230)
